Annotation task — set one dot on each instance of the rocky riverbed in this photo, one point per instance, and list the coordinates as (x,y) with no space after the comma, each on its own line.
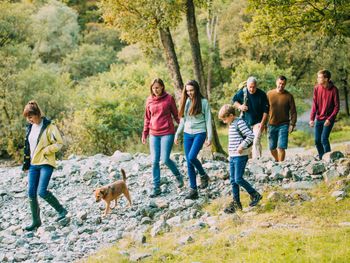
(84,231)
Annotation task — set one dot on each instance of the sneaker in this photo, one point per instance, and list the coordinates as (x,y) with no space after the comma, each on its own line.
(156,192)
(204,181)
(193,194)
(180,181)
(230,209)
(256,197)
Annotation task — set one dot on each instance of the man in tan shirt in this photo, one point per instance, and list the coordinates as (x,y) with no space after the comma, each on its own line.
(283,117)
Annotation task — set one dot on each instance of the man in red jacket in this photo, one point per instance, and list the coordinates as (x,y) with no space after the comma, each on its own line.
(325,108)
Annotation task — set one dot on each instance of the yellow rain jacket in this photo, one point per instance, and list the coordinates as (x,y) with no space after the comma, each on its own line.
(49,142)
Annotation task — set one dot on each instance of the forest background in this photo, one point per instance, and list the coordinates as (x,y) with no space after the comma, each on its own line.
(89,63)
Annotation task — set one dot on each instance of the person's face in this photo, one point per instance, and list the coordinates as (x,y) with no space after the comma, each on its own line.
(321,80)
(252,87)
(280,85)
(228,119)
(157,89)
(190,91)
(34,119)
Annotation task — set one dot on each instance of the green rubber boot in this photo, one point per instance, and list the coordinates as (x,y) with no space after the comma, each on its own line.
(52,200)
(34,208)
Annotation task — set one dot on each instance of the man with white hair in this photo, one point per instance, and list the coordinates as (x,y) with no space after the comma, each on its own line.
(254,106)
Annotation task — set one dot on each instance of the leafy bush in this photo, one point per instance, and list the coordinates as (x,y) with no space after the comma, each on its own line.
(89,60)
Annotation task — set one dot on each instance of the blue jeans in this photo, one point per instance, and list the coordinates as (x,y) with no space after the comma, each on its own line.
(38,180)
(237,166)
(322,137)
(278,136)
(160,147)
(193,143)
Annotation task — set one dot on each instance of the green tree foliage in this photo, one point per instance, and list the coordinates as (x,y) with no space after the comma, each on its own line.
(266,75)
(280,19)
(89,60)
(39,82)
(110,109)
(55,31)
(139,21)
(99,34)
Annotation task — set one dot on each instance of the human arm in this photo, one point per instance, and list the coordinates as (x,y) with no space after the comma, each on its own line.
(146,122)
(335,109)
(208,121)
(174,110)
(293,114)
(313,108)
(55,140)
(247,133)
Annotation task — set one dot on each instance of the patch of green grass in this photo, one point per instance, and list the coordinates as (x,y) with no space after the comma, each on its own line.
(300,232)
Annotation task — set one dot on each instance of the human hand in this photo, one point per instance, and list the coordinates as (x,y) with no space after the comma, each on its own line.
(207,143)
(176,141)
(327,123)
(143,140)
(311,123)
(243,107)
(291,128)
(240,149)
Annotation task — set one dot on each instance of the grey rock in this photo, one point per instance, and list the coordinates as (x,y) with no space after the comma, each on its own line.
(185,240)
(332,156)
(119,156)
(276,196)
(299,185)
(338,194)
(138,256)
(316,168)
(161,226)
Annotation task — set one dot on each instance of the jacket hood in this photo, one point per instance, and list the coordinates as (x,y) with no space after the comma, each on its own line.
(156,98)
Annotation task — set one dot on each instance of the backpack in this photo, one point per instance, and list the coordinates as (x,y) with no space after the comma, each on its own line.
(240,133)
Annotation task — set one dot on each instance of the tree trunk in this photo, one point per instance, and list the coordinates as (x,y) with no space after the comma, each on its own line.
(195,46)
(171,58)
(344,80)
(211,35)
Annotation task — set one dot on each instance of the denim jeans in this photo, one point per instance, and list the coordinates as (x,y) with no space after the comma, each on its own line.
(322,137)
(237,166)
(278,136)
(160,147)
(193,143)
(38,180)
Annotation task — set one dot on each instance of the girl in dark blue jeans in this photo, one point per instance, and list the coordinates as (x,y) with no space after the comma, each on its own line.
(196,124)
(42,141)
(240,138)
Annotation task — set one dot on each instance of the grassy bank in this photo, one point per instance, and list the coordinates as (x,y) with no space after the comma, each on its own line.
(281,231)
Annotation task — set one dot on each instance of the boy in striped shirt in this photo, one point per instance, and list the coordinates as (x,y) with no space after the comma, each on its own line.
(240,138)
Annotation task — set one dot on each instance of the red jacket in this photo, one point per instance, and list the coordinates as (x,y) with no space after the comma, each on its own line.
(159,114)
(325,104)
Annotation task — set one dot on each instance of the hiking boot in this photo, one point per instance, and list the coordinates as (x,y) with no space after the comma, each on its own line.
(156,192)
(230,209)
(204,181)
(256,197)
(52,200)
(193,194)
(34,207)
(180,181)
(238,205)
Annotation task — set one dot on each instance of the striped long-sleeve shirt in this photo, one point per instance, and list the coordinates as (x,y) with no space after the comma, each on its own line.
(239,134)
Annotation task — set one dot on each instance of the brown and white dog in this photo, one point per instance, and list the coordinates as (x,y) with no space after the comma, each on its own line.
(112,192)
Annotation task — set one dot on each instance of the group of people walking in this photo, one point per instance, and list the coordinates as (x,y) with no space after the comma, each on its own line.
(275,110)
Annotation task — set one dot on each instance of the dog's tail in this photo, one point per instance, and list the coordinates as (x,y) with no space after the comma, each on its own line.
(123,174)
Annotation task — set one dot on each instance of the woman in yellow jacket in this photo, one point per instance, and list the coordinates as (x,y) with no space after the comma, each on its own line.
(42,141)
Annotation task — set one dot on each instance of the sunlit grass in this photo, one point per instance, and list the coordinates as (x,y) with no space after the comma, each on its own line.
(299,232)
